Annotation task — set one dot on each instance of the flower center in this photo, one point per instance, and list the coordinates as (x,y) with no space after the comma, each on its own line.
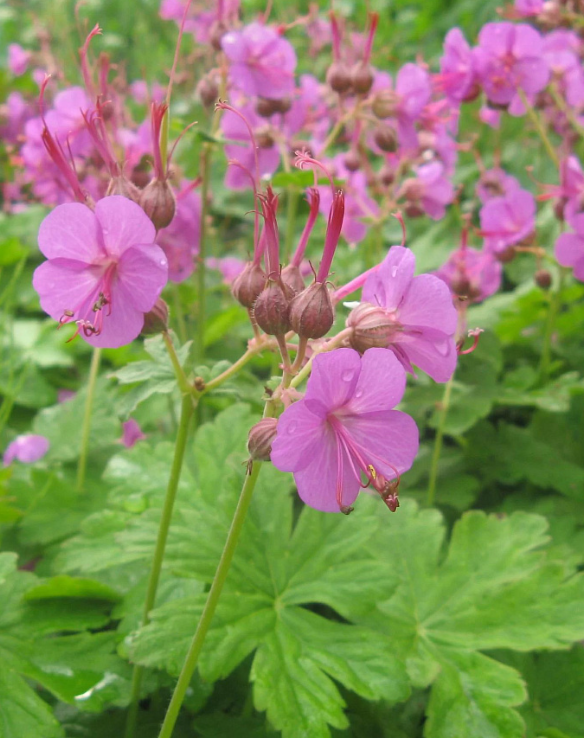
(89,313)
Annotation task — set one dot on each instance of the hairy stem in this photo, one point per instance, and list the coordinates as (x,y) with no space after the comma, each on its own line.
(438,442)
(187,409)
(86,428)
(539,127)
(192,657)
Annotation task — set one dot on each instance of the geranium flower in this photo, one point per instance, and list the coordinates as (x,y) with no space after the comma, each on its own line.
(27,449)
(570,247)
(345,429)
(508,220)
(104,270)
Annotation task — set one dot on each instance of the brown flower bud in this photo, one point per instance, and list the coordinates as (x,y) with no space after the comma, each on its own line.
(260,439)
(473,93)
(413,210)
(208,91)
(385,137)
(372,327)
(272,308)
(362,78)
(264,137)
(338,77)
(311,312)
(218,30)
(352,161)
(265,107)
(386,175)
(506,255)
(247,286)
(543,279)
(123,186)
(292,277)
(158,202)
(156,320)
(463,287)
(384,104)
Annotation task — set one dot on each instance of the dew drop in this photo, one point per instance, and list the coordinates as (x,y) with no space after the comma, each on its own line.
(292,427)
(347,375)
(358,394)
(393,271)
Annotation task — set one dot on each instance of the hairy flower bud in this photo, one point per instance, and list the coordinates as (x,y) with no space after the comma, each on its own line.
(208,91)
(543,279)
(260,438)
(123,186)
(384,104)
(386,138)
(158,202)
(156,320)
(338,77)
(272,308)
(352,161)
(264,137)
(218,30)
(292,277)
(362,77)
(507,255)
(372,327)
(248,284)
(462,286)
(311,312)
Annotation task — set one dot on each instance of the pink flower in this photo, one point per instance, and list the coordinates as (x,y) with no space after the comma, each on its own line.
(429,190)
(457,74)
(421,311)
(529,8)
(180,240)
(474,275)
(131,433)
(496,183)
(18,59)
(104,270)
(262,62)
(345,428)
(229,266)
(27,449)
(570,247)
(508,220)
(509,58)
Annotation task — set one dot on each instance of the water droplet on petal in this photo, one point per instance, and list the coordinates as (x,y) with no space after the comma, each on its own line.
(292,427)
(393,271)
(347,375)
(358,394)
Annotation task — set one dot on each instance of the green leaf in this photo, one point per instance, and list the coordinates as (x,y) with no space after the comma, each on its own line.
(76,587)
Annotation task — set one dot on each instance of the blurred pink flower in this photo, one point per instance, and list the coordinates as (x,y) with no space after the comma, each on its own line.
(26,449)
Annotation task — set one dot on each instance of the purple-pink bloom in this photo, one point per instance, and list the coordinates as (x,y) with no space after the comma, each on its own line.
(262,63)
(18,59)
(490,117)
(430,190)
(570,247)
(506,221)
(421,310)
(472,274)
(180,240)
(104,270)
(131,433)
(529,8)
(229,266)
(561,50)
(345,428)
(496,183)
(27,449)
(457,75)
(508,59)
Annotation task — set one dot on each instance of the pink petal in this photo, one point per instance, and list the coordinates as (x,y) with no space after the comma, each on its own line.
(317,483)
(70,231)
(299,437)
(428,303)
(380,386)
(143,270)
(123,224)
(65,284)
(120,326)
(387,286)
(435,357)
(333,378)
(569,249)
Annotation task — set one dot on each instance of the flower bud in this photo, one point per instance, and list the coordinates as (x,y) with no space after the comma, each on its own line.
(462,286)
(248,284)
(372,327)
(158,202)
(123,186)
(507,255)
(292,277)
(413,210)
(543,279)
(272,308)
(266,107)
(338,77)
(352,161)
(362,77)
(311,312)
(260,438)
(218,30)
(386,175)
(156,320)
(208,91)
(385,138)
(264,137)
(384,104)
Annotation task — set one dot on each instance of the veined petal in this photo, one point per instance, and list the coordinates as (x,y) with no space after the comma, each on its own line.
(428,303)
(64,284)
(122,322)
(143,270)
(299,438)
(380,386)
(387,285)
(123,224)
(334,377)
(70,231)
(435,357)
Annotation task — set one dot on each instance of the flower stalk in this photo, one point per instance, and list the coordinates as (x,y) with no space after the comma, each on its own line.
(86,428)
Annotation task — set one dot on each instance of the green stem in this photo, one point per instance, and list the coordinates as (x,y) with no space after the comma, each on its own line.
(181,377)
(190,663)
(187,409)
(201,266)
(438,442)
(179,314)
(533,116)
(554,309)
(86,428)
(224,376)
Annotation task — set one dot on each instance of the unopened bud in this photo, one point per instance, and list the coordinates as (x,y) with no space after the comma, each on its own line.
(156,319)
(338,77)
(352,161)
(507,255)
(372,327)
(463,287)
(265,107)
(292,277)
(264,137)
(362,78)
(384,104)
(385,137)
(123,186)
(473,92)
(158,202)
(386,175)
(260,439)
(413,210)
(272,308)
(311,312)
(218,30)
(543,279)
(208,91)
(248,284)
